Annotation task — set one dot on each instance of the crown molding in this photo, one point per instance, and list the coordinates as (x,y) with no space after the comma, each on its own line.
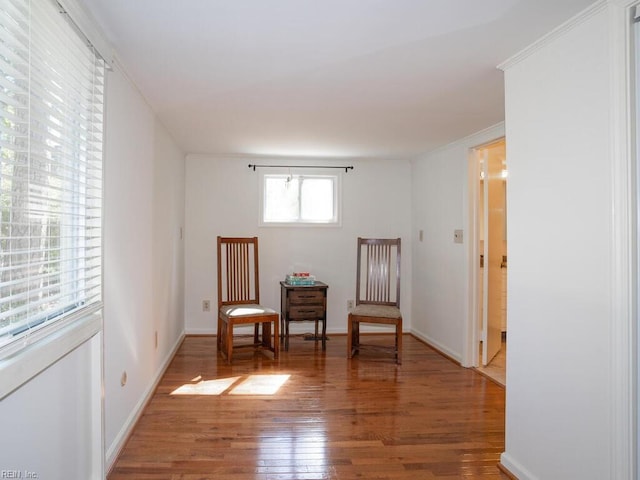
(554,34)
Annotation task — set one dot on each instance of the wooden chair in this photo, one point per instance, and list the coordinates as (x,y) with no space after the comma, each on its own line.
(377,292)
(239,298)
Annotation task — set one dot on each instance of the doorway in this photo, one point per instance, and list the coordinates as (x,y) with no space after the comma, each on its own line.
(491,259)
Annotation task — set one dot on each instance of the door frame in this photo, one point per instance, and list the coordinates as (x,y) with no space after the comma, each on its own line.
(470,356)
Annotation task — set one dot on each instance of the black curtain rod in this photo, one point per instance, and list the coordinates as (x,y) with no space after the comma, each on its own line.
(254,166)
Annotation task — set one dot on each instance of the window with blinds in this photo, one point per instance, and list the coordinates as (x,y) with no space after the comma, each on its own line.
(51,129)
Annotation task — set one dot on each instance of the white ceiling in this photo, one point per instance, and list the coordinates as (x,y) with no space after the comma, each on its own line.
(362,78)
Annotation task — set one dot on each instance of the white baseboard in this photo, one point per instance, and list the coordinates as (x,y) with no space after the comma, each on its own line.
(515,468)
(118,443)
(201,331)
(438,346)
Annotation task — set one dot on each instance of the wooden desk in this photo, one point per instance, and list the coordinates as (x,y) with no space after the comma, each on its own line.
(300,303)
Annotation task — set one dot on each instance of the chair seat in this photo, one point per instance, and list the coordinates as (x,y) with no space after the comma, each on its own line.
(248,310)
(367,310)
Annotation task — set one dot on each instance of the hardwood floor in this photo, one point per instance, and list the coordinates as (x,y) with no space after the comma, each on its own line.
(317,415)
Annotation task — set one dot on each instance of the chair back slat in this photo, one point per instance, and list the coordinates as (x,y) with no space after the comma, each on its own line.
(238,271)
(378,271)
(378,268)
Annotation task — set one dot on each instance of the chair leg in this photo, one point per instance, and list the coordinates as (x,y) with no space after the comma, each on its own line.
(266,335)
(270,342)
(222,337)
(229,341)
(256,334)
(353,336)
(349,337)
(276,339)
(356,337)
(282,330)
(399,342)
(286,335)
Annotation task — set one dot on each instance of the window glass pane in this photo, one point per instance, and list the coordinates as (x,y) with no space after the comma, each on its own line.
(281,198)
(317,199)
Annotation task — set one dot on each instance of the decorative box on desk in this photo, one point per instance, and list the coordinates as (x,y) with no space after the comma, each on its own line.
(303,303)
(303,279)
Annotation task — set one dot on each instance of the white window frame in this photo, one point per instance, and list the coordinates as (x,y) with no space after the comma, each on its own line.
(298,173)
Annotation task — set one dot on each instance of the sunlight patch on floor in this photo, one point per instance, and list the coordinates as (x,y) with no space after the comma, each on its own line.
(251,385)
(206,387)
(260,385)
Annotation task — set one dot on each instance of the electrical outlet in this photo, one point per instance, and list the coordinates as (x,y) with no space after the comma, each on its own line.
(206,305)
(349,304)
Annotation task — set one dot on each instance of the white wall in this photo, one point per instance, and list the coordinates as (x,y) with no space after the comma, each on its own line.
(440,201)
(559,217)
(52,425)
(143,290)
(222,199)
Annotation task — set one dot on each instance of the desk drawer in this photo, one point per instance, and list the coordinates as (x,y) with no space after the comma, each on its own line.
(297,312)
(306,296)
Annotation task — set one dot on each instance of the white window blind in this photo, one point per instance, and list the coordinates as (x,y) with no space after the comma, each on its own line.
(51,133)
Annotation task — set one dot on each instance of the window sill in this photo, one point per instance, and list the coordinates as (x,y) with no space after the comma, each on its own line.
(18,369)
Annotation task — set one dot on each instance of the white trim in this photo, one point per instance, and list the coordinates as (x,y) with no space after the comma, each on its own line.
(111,455)
(41,332)
(515,468)
(479,138)
(626,4)
(554,34)
(19,368)
(472,330)
(435,344)
(622,256)
(97,407)
(201,331)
